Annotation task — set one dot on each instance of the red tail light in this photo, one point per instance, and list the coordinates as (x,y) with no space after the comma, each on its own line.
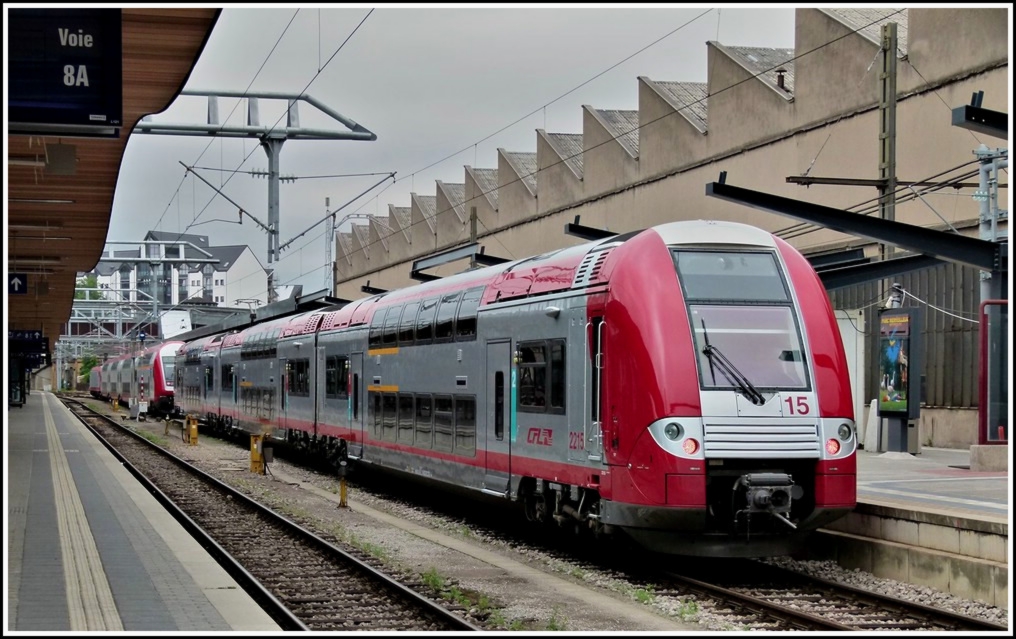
(690,446)
(832,446)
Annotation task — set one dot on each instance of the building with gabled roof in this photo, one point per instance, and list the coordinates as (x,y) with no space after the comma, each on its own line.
(170,280)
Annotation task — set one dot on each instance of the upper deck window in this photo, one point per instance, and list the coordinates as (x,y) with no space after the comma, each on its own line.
(730,276)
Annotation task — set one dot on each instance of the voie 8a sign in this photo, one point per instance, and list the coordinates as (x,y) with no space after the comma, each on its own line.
(65,71)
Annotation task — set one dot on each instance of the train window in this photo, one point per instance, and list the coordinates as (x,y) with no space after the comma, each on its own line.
(337,377)
(557,380)
(389,416)
(425,321)
(356,396)
(408,325)
(375,406)
(533,377)
(299,377)
(443,407)
(209,379)
(424,415)
(376,324)
(391,329)
(499,405)
(729,276)
(227,378)
(444,327)
(406,414)
(465,324)
(465,426)
(596,362)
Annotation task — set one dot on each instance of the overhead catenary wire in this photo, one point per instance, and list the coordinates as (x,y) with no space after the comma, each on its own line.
(316,75)
(257,172)
(614,138)
(792,230)
(636,128)
(641,125)
(304,90)
(563,95)
(249,85)
(907,294)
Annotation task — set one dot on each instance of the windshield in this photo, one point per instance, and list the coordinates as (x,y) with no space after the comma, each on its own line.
(761,341)
(168,366)
(740,305)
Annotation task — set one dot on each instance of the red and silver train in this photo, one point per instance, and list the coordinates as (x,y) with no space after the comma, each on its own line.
(149,374)
(685,384)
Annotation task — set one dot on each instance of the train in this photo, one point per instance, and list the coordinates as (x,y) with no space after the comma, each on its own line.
(684,385)
(150,374)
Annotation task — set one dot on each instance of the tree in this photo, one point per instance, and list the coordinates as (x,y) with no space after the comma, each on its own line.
(88,362)
(88,281)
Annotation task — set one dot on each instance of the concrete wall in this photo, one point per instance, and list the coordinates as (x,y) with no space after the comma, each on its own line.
(948,427)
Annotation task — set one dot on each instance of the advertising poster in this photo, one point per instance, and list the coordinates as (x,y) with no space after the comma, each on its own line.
(894,369)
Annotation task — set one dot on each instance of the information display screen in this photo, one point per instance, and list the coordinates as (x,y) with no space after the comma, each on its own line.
(65,72)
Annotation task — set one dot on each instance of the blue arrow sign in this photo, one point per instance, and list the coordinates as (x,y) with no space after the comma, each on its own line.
(17,284)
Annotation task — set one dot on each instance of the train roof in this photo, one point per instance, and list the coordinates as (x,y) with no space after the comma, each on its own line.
(157,347)
(574,267)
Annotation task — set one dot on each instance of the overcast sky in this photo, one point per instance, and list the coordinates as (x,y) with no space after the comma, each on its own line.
(429,81)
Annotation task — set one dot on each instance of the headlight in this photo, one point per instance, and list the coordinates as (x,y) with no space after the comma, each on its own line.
(845,431)
(673,431)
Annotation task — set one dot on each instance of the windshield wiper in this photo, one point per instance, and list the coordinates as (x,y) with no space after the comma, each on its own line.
(734,376)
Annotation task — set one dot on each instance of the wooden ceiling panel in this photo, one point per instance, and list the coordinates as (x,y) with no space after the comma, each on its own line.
(160,47)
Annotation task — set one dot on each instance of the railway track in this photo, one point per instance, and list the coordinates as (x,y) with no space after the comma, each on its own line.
(796,601)
(763,596)
(302,581)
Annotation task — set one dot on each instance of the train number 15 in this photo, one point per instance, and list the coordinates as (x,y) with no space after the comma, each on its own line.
(797,405)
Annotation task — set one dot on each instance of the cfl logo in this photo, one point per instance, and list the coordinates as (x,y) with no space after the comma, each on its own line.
(540,437)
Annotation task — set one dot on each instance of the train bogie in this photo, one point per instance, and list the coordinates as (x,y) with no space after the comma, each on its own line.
(685,384)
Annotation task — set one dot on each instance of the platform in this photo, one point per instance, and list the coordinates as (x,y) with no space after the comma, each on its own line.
(937,479)
(89,549)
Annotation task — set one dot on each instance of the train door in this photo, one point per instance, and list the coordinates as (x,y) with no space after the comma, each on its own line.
(500,423)
(356,405)
(594,389)
(283,393)
(581,424)
(234,387)
(319,388)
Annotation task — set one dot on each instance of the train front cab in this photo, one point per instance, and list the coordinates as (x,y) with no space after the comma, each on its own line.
(753,446)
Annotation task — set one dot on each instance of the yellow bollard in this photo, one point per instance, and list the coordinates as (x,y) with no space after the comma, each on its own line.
(257,460)
(342,484)
(192,430)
